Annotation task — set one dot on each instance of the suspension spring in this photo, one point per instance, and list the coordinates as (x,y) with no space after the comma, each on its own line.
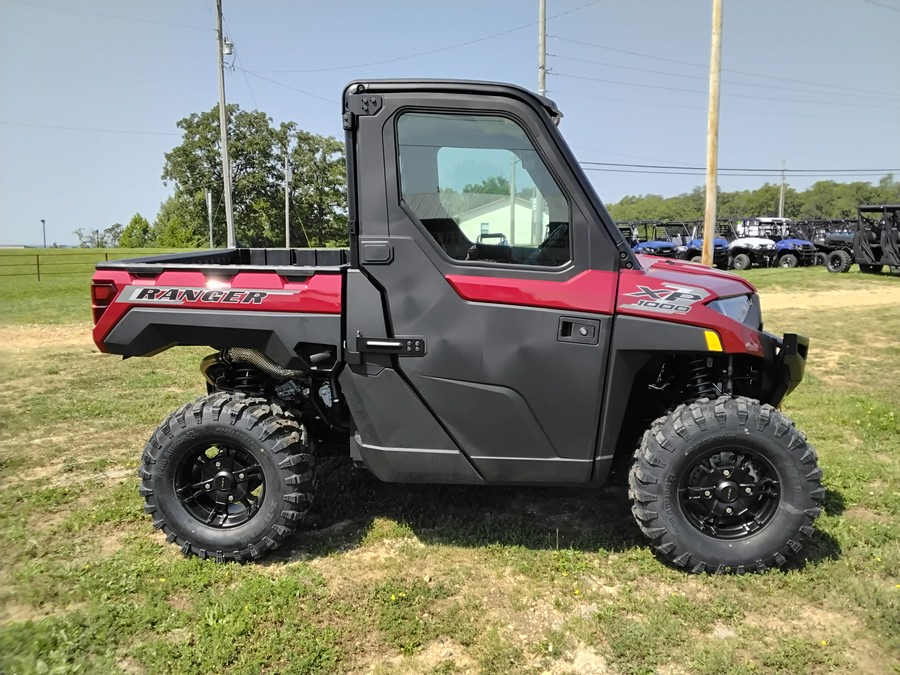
(248,380)
(700,378)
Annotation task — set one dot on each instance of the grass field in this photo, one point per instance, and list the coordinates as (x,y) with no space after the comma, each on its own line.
(422,579)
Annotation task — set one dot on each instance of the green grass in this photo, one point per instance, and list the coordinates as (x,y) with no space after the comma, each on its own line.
(59,296)
(429,579)
(817,279)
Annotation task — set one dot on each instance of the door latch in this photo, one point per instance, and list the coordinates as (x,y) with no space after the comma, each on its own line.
(582,331)
(401,345)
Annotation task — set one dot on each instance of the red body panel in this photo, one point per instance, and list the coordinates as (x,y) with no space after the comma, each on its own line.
(590,291)
(254,291)
(608,292)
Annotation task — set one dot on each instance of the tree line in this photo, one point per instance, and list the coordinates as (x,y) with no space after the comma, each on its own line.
(316,185)
(825,199)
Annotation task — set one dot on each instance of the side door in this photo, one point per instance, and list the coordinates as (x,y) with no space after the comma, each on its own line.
(497,278)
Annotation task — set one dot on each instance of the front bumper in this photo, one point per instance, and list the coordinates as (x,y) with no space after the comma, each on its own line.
(789,354)
(762,258)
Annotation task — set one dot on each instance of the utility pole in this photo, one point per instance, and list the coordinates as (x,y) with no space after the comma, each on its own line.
(209,216)
(542,47)
(712,135)
(223,128)
(44,228)
(781,194)
(287,200)
(537,204)
(512,200)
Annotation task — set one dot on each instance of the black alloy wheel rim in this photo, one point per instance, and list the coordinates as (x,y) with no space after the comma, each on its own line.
(219,485)
(729,494)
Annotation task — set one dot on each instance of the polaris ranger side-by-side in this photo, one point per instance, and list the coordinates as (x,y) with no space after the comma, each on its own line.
(875,241)
(534,361)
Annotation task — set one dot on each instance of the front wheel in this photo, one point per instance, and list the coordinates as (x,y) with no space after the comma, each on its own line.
(227,477)
(741,261)
(788,260)
(839,261)
(725,485)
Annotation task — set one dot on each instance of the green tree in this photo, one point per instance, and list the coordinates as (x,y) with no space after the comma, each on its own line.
(888,190)
(176,225)
(318,189)
(257,150)
(195,166)
(137,233)
(107,238)
(492,185)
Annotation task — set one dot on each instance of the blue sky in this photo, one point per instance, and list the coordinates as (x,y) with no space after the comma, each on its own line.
(91,90)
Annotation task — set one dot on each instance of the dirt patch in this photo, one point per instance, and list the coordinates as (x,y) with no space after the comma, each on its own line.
(13,612)
(583,661)
(772,300)
(63,456)
(428,659)
(367,564)
(816,623)
(29,337)
(867,516)
(180,601)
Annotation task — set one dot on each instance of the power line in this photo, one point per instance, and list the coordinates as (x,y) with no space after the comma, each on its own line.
(702,168)
(237,60)
(111,16)
(704,66)
(770,112)
(705,79)
(753,97)
(437,50)
(723,174)
(881,4)
(287,86)
(104,131)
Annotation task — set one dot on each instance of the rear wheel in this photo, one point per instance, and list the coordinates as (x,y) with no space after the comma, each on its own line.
(741,261)
(227,477)
(821,259)
(871,269)
(839,261)
(788,260)
(725,485)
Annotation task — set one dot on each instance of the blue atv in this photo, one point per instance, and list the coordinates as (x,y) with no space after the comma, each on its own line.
(790,251)
(691,244)
(655,241)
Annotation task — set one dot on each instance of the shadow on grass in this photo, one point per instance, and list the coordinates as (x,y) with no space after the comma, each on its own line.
(539,518)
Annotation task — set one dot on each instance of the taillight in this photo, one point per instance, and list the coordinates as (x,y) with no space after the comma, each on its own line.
(102,294)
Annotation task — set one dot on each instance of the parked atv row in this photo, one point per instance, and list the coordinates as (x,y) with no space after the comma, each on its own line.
(872,241)
(740,245)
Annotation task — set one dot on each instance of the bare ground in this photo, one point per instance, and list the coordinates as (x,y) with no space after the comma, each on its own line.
(828,299)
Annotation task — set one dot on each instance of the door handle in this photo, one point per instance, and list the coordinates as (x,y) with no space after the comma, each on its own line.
(581,331)
(401,346)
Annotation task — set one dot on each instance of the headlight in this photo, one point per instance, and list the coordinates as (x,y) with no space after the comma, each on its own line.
(734,308)
(680,249)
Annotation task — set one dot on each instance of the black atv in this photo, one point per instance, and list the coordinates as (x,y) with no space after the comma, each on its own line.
(875,241)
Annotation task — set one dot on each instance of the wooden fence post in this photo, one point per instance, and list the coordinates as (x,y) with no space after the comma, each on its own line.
(37,260)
